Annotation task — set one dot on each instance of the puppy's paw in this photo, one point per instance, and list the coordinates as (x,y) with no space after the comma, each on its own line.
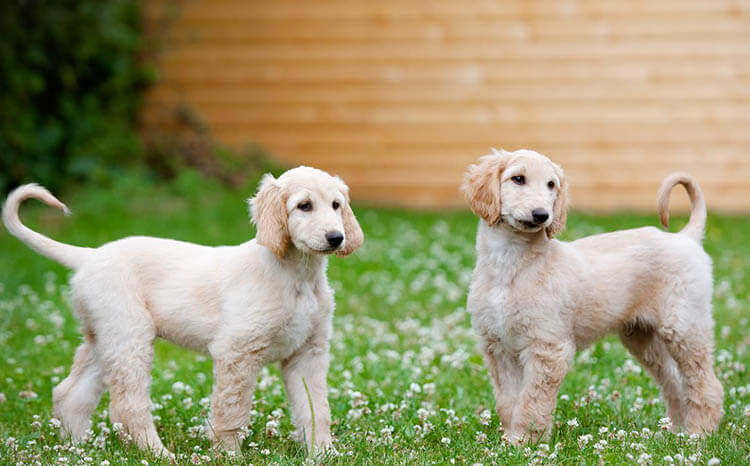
(321,447)
(228,440)
(514,439)
(519,437)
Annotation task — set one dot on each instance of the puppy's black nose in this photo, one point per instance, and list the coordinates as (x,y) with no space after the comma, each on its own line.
(539,215)
(334,238)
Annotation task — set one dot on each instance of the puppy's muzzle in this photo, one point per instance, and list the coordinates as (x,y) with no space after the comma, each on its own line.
(334,238)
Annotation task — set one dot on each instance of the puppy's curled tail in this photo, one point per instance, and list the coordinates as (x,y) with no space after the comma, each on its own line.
(70,256)
(696,226)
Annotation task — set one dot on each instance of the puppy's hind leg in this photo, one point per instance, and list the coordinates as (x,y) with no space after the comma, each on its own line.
(129,379)
(702,393)
(76,397)
(127,357)
(651,352)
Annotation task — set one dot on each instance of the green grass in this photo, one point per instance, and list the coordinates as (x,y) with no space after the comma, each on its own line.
(406,382)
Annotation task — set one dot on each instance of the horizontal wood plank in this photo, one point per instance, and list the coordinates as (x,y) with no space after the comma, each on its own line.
(396,9)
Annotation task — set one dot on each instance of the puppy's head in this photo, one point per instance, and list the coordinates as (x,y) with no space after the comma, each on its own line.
(522,189)
(308,209)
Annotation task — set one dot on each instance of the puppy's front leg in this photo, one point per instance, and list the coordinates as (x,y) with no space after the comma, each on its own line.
(311,364)
(235,375)
(545,365)
(505,374)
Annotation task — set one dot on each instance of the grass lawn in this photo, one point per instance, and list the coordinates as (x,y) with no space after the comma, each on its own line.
(407,385)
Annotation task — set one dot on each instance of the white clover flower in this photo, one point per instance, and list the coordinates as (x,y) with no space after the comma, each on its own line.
(354,414)
(27,395)
(645,458)
(713,462)
(665,423)
(178,387)
(573,422)
(603,430)
(668,459)
(480,437)
(637,446)
(10,442)
(445,441)
(484,417)
(637,405)
(584,440)
(272,428)
(631,367)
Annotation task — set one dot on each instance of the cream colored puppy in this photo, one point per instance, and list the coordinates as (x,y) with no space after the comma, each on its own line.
(535,300)
(249,305)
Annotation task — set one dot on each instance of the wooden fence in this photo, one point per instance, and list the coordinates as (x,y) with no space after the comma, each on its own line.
(398,96)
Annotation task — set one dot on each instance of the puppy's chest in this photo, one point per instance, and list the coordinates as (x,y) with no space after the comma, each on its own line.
(304,314)
(498,313)
(494,314)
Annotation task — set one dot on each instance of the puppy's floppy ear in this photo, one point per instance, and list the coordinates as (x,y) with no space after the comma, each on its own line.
(481,185)
(353,235)
(268,212)
(560,207)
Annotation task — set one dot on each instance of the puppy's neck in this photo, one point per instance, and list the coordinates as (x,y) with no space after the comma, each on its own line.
(506,250)
(304,265)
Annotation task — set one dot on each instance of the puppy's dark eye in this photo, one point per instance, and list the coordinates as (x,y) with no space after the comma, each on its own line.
(551,185)
(519,179)
(335,205)
(305,206)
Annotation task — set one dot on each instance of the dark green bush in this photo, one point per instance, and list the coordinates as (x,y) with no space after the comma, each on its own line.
(70,86)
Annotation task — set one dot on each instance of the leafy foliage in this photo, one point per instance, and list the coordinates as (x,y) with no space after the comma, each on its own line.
(70,80)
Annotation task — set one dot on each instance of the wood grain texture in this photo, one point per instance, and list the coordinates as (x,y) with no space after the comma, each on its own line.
(398,96)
